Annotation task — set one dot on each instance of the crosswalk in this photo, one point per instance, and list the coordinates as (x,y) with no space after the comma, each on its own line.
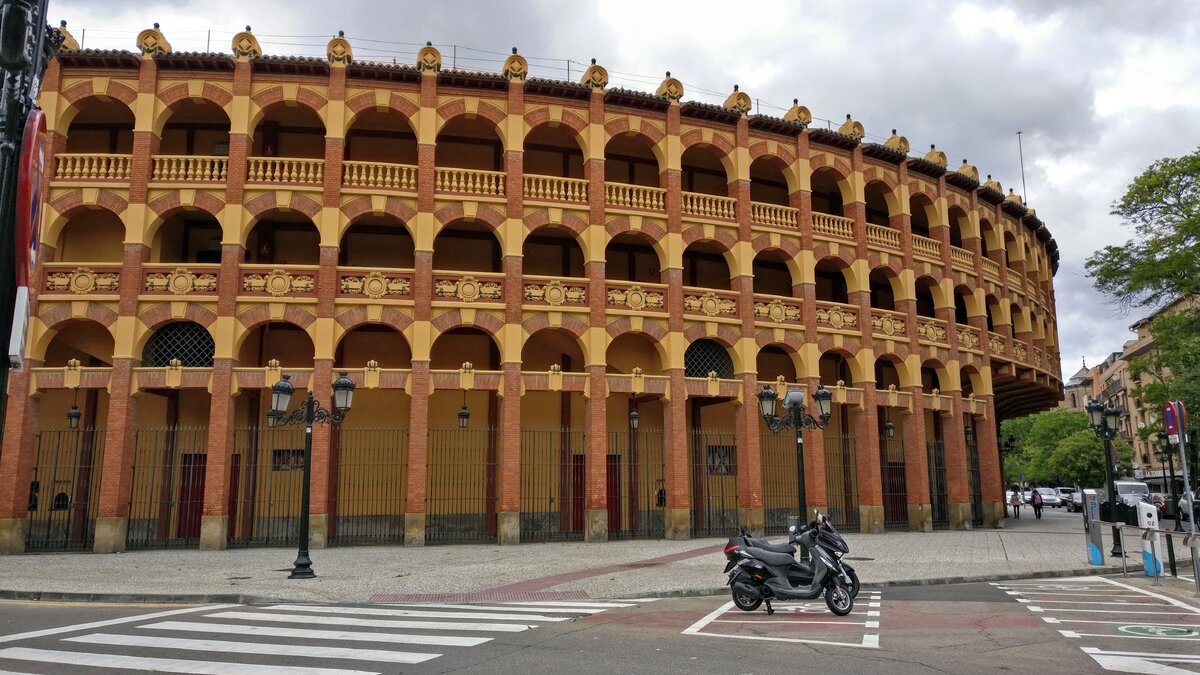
(291,639)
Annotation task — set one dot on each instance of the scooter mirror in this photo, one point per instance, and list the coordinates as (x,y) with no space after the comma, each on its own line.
(791,528)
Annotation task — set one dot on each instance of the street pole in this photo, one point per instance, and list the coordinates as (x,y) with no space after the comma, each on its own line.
(1171,491)
(801,489)
(1109,472)
(302,568)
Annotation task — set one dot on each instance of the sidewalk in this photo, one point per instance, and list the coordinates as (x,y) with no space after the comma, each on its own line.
(1053,546)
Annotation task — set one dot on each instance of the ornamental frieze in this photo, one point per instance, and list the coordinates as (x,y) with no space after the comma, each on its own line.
(278,283)
(468,289)
(82,280)
(709,304)
(968,339)
(932,332)
(996,343)
(554,293)
(776,311)
(1020,351)
(635,298)
(888,325)
(375,285)
(835,317)
(181,282)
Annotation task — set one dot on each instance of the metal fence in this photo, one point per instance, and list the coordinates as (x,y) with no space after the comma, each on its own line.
(714,483)
(781,498)
(553,484)
(975,484)
(841,479)
(266,480)
(368,484)
(64,490)
(939,498)
(461,494)
(634,484)
(895,483)
(166,496)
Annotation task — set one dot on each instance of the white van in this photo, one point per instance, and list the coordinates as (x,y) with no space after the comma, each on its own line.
(1132,491)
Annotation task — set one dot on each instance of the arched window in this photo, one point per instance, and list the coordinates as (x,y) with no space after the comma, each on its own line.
(705,356)
(189,342)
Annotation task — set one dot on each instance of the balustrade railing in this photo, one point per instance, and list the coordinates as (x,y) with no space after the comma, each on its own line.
(773,214)
(379,175)
(635,196)
(991,269)
(555,189)
(926,247)
(833,226)
(285,170)
(883,236)
(962,257)
(189,168)
(92,166)
(709,206)
(1014,278)
(469,181)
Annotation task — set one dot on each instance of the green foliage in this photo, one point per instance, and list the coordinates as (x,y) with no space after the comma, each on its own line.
(1174,363)
(1079,459)
(1058,447)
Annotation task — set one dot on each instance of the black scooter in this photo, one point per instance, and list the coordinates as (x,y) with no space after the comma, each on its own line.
(801,571)
(757,575)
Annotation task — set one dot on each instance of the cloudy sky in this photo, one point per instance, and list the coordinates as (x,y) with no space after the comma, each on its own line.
(1098,88)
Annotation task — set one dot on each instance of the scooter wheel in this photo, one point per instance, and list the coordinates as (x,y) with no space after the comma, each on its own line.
(839,600)
(746,603)
(854,585)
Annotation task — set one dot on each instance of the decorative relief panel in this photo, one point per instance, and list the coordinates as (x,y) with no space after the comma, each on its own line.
(968,339)
(278,283)
(709,304)
(887,325)
(635,298)
(836,318)
(82,280)
(181,282)
(376,285)
(932,332)
(554,293)
(1020,351)
(776,311)
(996,343)
(468,289)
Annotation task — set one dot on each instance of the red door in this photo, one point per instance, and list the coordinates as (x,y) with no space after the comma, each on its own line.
(191,495)
(577,493)
(613,492)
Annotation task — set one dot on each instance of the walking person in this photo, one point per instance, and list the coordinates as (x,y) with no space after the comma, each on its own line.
(1015,501)
(1035,499)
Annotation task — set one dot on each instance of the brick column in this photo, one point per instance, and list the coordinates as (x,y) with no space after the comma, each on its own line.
(214,523)
(596,520)
(116,470)
(318,504)
(991,476)
(596,528)
(17,460)
(677,460)
(916,464)
(957,478)
(816,490)
(677,518)
(866,459)
(418,454)
(508,516)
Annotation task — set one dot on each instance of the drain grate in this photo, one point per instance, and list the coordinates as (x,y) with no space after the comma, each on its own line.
(481,596)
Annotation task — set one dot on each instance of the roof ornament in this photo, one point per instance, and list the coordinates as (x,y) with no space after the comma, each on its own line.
(935,156)
(245,46)
(1014,198)
(670,88)
(969,171)
(852,129)
(798,114)
(429,59)
(516,68)
(738,101)
(338,50)
(68,40)
(897,143)
(595,77)
(151,43)
(993,185)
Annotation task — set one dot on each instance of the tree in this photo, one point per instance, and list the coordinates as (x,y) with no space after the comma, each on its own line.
(1079,459)
(1037,439)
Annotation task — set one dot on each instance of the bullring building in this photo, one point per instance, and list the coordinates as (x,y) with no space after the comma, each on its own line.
(559,302)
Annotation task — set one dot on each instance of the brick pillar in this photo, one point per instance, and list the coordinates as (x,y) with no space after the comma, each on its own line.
(815,485)
(17,460)
(318,504)
(958,483)
(116,471)
(866,460)
(751,512)
(677,459)
(916,465)
(418,454)
(214,523)
(596,519)
(991,477)
(595,270)
(508,516)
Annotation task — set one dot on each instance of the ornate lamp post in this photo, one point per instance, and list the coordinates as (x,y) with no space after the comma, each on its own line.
(464,415)
(311,411)
(1104,422)
(73,414)
(1164,453)
(799,419)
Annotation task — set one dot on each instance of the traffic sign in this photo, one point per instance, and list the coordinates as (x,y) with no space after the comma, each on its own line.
(1170,418)
(30,173)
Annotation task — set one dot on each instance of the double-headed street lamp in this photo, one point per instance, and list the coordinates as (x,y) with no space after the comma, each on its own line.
(311,411)
(799,419)
(1165,453)
(1104,422)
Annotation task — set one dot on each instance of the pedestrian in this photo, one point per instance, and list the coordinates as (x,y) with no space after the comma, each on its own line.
(1035,499)
(1015,500)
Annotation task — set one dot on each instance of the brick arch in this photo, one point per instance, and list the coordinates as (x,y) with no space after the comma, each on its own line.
(169,204)
(823,251)
(451,110)
(570,323)
(368,101)
(793,340)
(727,336)
(849,351)
(306,97)
(486,321)
(721,236)
(838,164)
(621,125)
(878,173)
(175,94)
(70,204)
(654,329)
(898,358)
(392,206)
(260,314)
(649,227)
(890,263)
(159,315)
(55,316)
(695,136)
(357,316)
(920,187)
(569,119)
(766,242)
(455,211)
(265,202)
(938,366)
(783,152)
(569,220)
(77,93)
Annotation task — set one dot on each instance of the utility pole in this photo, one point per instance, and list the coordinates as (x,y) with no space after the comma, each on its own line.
(1021,154)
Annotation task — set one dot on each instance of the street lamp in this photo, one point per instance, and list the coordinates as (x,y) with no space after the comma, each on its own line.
(311,411)
(1104,422)
(73,414)
(1165,453)
(464,415)
(799,420)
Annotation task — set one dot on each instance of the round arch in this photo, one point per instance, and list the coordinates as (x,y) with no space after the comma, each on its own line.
(839,365)
(775,272)
(82,339)
(186,125)
(87,234)
(380,342)
(772,180)
(285,340)
(633,158)
(831,191)
(634,256)
(882,202)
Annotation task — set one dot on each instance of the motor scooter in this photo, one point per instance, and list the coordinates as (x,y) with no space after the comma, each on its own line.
(801,571)
(758,575)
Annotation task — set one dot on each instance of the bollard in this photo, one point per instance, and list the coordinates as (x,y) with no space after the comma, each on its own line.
(1192,541)
(1155,569)
(1171,556)
(1124,567)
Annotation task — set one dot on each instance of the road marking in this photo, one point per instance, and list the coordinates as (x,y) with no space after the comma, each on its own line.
(773,621)
(570,603)
(1073,595)
(487,608)
(269,649)
(418,613)
(1173,601)
(1095,611)
(311,634)
(107,622)
(1088,602)
(122,662)
(1050,619)
(1178,658)
(1075,634)
(869,641)
(373,623)
(1158,631)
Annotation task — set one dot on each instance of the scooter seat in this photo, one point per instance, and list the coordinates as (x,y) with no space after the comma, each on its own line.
(770,557)
(768,546)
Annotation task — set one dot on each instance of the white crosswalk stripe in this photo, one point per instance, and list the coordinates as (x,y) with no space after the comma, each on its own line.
(294,639)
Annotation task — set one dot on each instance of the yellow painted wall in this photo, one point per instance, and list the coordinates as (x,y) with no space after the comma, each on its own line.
(92,236)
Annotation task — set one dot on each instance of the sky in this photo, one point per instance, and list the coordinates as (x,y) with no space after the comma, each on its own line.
(1099,89)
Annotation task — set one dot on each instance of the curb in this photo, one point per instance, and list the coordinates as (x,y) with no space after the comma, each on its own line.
(141,598)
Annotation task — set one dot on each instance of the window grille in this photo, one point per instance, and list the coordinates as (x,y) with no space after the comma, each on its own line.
(705,356)
(189,342)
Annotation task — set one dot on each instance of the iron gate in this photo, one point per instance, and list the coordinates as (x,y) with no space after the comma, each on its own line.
(553,484)
(781,496)
(975,484)
(895,484)
(841,480)
(166,497)
(461,495)
(938,492)
(266,479)
(634,484)
(714,483)
(64,490)
(369,483)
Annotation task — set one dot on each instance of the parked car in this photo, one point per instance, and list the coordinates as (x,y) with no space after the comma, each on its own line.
(1076,503)
(1132,491)
(1064,495)
(1049,497)
(1183,506)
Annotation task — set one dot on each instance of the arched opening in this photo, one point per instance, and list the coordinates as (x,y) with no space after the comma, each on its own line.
(629,158)
(992,310)
(986,237)
(92,235)
(196,128)
(188,236)
(467,246)
(886,374)
(86,341)
(284,237)
(633,350)
(470,144)
(929,378)
(826,192)
(773,362)
(634,469)
(771,273)
(553,150)
(1011,251)
(703,171)
(288,343)
(706,356)
(186,341)
(103,125)
(834,368)
(959,224)
(629,257)
(704,266)
(768,185)
(377,241)
(381,136)
(831,281)
(293,131)
(383,344)
(1019,323)
(878,211)
(922,212)
(961,305)
(967,377)
(552,251)
(883,294)
(926,306)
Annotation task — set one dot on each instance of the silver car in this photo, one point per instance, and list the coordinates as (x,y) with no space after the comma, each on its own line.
(1049,498)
